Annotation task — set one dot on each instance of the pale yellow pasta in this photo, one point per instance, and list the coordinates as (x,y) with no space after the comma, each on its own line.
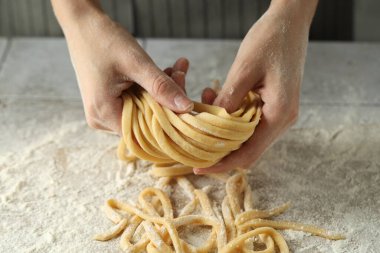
(237,243)
(155,238)
(236,231)
(111,213)
(175,143)
(255,214)
(113,231)
(255,223)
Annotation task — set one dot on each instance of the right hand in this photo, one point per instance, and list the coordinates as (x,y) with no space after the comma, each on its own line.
(107,61)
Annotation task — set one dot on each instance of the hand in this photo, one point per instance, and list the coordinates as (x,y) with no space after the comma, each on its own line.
(270,61)
(107,61)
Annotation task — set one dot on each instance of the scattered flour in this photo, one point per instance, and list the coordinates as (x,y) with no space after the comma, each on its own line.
(55,174)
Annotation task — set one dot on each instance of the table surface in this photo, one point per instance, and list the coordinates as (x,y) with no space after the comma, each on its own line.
(55,172)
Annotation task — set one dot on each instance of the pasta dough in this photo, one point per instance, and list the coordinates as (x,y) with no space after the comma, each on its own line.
(176,143)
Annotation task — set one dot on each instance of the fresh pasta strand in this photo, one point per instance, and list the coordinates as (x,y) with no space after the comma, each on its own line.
(175,143)
(230,231)
(256,223)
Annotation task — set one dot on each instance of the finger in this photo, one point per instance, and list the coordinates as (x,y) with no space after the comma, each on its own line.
(265,133)
(241,78)
(208,96)
(168,71)
(103,106)
(164,90)
(179,78)
(180,68)
(248,153)
(178,72)
(95,123)
(113,121)
(104,115)
(182,64)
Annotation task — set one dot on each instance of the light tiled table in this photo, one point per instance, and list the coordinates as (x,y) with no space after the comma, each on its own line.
(327,165)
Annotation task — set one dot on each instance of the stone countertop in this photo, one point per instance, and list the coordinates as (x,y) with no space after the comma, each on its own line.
(55,172)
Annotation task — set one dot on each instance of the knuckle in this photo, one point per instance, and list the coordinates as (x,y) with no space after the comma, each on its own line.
(92,122)
(103,115)
(227,100)
(160,85)
(92,117)
(227,103)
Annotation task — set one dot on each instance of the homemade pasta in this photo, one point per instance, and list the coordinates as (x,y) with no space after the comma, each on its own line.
(175,144)
(235,225)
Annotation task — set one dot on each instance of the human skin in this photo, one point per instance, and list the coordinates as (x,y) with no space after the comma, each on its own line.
(107,61)
(270,61)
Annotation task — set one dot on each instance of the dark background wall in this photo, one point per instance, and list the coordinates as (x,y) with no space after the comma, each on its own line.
(335,19)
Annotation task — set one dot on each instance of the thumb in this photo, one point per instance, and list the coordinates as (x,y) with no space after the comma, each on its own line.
(164,90)
(240,80)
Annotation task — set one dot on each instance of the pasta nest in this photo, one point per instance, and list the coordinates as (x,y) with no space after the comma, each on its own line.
(177,143)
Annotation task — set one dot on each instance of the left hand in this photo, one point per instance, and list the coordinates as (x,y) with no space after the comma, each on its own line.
(270,61)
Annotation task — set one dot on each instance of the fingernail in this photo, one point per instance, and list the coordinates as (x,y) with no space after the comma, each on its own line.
(183,103)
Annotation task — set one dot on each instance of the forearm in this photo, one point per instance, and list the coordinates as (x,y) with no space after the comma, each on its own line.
(70,13)
(299,11)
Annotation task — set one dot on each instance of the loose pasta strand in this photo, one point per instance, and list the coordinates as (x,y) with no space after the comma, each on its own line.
(229,232)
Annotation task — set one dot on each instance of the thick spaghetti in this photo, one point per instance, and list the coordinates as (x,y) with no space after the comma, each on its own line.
(176,143)
(235,225)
